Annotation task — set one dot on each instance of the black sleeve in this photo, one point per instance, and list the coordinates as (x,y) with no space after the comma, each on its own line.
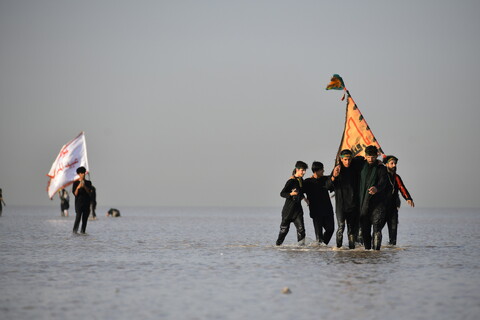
(357,163)
(93,194)
(75,185)
(289,186)
(329,184)
(306,185)
(382,178)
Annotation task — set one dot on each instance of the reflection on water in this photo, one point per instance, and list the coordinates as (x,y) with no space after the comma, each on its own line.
(213,263)
(361,256)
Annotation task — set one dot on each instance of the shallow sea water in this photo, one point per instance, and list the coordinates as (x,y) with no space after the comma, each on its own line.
(221,263)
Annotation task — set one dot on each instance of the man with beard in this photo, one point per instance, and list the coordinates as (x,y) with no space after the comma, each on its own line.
(372,183)
(345,182)
(321,210)
(292,209)
(393,200)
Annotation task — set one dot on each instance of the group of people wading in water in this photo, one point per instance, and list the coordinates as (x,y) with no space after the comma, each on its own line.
(366,198)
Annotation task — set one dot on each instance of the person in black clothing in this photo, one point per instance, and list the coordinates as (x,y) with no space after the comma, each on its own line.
(372,183)
(321,211)
(93,202)
(113,213)
(292,209)
(1,202)
(394,185)
(81,189)
(345,183)
(64,202)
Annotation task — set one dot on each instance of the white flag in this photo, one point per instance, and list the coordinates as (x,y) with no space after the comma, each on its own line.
(64,169)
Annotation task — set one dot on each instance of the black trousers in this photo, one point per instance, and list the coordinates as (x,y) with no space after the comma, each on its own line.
(351,219)
(374,218)
(323,222)
(297,219)
(82,213)
(391,219)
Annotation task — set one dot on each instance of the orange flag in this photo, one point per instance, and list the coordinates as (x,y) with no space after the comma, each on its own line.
(357,134)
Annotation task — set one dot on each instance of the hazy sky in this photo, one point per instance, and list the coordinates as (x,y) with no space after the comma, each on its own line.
(212,102)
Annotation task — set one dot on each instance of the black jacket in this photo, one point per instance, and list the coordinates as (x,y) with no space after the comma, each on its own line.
(292,203)
(394,185)
(369,176)
(83,197)
(346,187)
(316,190)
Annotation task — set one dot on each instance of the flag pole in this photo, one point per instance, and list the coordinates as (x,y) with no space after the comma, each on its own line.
(337,158)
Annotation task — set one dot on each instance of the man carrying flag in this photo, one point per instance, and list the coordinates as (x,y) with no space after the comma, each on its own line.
(369,177)
(63,172)
(82,190)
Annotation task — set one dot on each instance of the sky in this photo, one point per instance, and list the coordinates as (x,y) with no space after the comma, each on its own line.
(211,103)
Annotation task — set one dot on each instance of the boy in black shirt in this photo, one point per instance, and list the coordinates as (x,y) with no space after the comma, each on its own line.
(81,189)
(321,210)
(292,209)
(345,182)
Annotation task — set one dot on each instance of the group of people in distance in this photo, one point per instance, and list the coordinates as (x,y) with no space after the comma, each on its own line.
(366,198)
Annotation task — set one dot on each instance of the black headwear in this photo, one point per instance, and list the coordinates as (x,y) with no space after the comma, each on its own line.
(388,158)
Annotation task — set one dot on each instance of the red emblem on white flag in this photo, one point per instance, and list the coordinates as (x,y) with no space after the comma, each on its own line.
(64,169)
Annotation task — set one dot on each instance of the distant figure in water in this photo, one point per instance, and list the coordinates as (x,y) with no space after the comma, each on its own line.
(113,213)
(81,189)
(64,202)
(393,200)
(292,209)
(2,203)
(93,202)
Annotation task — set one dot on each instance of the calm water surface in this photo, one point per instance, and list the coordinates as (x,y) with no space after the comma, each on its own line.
(220,263)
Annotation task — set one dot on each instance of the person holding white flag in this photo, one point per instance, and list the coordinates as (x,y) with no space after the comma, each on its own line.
(81,189)
(69,167)
(72,156)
